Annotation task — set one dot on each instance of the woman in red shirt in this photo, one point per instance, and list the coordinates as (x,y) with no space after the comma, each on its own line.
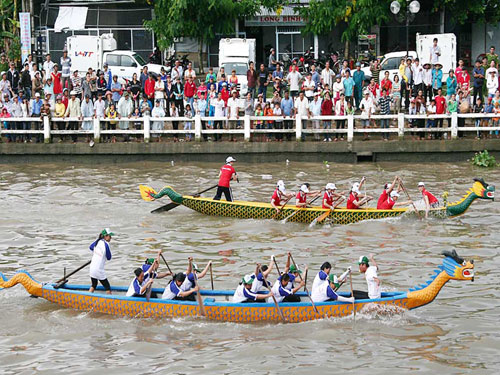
(331,199)
(430,200)
(303,194)
(356,199)
(391,202)
(279,194)
(327,110)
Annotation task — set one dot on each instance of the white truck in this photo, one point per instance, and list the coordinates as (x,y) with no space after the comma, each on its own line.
(88,51)
(236,54)
(448,58)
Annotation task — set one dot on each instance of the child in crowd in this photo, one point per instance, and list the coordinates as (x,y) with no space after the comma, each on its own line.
(478,108)
(174,112)
(495,120)
(112,114)
(452,107)
(268,111)
(488,109)
(278,123)
(431,123)
(188,124)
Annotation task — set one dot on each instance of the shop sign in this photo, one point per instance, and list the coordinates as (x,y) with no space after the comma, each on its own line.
(275,20)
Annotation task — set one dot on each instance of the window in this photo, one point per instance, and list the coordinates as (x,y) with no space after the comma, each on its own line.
(391,63)
(113,60)
(127,61)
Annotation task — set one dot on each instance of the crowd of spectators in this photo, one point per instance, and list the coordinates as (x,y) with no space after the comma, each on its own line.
(58,91)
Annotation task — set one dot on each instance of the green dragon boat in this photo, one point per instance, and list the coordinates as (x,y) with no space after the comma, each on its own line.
(261,210)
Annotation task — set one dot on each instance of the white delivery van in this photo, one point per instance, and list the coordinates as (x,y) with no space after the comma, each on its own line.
(236,54)
(448,58)
(88,51)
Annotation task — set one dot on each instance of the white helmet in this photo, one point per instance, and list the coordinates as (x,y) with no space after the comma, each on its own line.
(330,186)
(304,189)
(394,194)
(355,187)
(281,186)
(230,159)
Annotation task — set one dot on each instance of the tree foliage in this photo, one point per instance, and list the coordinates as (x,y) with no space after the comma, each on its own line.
(463,11)
(356,16)
(9,28)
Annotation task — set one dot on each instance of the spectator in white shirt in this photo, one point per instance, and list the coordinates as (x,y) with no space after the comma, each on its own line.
(48,67)
(308,87)
(327,75)
(367,108)
(418,75)
(302,110)
(293,79)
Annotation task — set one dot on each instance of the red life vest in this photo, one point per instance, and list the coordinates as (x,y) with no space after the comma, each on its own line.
(350,202)
(329,200)
(432,198)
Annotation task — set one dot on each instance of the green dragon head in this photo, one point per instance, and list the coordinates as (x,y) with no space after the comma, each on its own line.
(483,190)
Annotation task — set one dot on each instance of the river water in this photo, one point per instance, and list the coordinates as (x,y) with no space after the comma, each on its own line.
(51,212)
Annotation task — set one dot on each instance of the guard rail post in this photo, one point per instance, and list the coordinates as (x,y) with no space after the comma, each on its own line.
(298,128)
(246,128)
(46,129)
(97,130)
(454,125)
(197,128)
(401,125)
(350,128)
(147,129)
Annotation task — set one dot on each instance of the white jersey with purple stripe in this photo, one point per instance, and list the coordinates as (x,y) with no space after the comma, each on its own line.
(320,279)
(135,287)
(258,283)
(101,253)
(279,292)
(188,283)
(145,268)
(171,291)
(242,294)
(325,293)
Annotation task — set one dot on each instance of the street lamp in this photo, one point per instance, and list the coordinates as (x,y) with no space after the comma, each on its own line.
(411,8)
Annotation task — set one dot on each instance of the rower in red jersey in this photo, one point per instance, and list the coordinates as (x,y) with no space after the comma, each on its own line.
(356,199)
(430,200)
(226,174)
(331,199)
(303,194)
(388,188)
(279,194)
(391,201)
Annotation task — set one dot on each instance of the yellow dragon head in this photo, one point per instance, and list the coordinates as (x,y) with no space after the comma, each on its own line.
(456,267)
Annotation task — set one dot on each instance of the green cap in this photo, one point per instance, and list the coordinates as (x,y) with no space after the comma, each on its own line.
(363,260)
(107,232)
(195,267)
(333,279)
(294,269)
(247,279)
(149,261)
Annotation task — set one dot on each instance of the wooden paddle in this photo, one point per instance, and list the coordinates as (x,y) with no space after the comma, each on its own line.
(300,209)
(281,208)
(172,205)
(211,277)
(276,264)
(272,295)
(411,201)
(352,295)
(169,270)
(198,296)
(305,280)
(64,280)
(305,286)
(327,213)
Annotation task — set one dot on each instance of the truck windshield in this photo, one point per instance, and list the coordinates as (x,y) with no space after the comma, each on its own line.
(241,68)
(139,59)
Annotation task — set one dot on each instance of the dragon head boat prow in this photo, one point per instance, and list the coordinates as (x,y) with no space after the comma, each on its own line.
(149,194)
(32,286)
(453,268)
(480,190)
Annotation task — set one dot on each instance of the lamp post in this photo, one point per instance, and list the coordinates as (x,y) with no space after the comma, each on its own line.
(412,7)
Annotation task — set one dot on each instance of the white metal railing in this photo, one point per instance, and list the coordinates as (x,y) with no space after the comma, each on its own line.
(245,125)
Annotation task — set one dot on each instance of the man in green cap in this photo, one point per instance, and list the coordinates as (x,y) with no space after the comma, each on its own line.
(371,277)
(244,294)
(101,252)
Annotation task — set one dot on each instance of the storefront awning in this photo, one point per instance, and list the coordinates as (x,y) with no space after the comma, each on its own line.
(285,16)
(71,18)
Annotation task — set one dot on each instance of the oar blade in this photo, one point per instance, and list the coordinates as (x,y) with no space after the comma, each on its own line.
(165,208)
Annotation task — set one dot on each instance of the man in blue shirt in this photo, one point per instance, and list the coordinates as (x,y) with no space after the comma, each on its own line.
(359,81)
(36,110)
(287,111)
(478,74)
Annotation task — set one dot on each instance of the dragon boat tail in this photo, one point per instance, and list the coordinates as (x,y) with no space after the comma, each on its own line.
(218,308)
(260,210)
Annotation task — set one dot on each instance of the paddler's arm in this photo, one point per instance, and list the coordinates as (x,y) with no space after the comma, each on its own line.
(205,270)
(257,269)
(299,286)
(189,292)
(269,267)
(405,203)
(392,185)
(339,201)
(146,286)
(427,206)
(190,266)
(287,265)
(372,261)
(362,182)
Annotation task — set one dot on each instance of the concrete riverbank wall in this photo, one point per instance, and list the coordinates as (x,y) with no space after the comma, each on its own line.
(340,152)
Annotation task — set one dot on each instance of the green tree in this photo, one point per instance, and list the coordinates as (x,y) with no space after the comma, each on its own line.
(355,16)
(462,11)
(9,24)
(201,19)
